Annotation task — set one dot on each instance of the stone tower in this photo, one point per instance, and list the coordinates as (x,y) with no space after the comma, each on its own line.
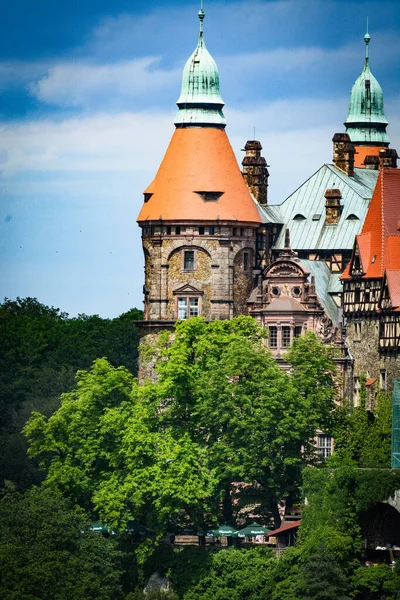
(198,219)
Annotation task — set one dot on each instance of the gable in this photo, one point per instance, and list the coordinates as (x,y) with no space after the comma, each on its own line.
(187,290)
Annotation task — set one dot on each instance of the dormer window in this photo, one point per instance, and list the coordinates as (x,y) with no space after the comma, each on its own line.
(316,216)
(299,217)
(147,197)
(352,217)
(210,196)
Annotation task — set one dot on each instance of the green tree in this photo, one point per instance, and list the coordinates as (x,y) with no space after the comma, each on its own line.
(320,577)
(105,449)
(47,551)
(237,574)
(222,412)
(40,352)
(220,383)
(363,437)
(379,582)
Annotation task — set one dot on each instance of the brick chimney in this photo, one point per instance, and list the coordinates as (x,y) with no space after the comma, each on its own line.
(255,171)
(371,162)
(343,153)
(332,206)
(388,158)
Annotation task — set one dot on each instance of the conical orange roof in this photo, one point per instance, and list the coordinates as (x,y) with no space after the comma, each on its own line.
(199,160)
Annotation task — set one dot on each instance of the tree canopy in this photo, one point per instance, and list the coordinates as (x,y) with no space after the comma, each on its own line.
(41,350)
(222,412)
(47,551)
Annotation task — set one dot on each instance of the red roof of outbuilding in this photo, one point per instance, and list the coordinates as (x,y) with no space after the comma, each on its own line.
(199,159)
(284,527)
(379,240)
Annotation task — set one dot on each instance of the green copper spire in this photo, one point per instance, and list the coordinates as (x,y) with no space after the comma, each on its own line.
(200,102)
(366,122)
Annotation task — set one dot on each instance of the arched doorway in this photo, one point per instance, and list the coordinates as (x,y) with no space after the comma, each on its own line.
(380,526)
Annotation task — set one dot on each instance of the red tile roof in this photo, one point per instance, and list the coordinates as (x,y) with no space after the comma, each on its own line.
(199,159)
(393,279)
(379,240)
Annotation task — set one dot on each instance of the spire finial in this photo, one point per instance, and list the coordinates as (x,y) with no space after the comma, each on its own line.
(367,38)
(201,17)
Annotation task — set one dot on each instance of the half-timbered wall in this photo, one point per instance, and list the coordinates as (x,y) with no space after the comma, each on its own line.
(361,296)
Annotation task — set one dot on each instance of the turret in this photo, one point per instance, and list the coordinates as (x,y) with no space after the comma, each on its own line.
(366,122)
(198,219)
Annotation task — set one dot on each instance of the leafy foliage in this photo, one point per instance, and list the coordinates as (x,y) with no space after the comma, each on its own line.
(47,551)
(41,351)
(219,383)
(320,577)
(104,449)
(237,574)
(363,438)
(378,582)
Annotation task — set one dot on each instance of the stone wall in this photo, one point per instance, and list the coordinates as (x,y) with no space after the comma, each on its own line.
(220,277)
(242,281)
(363,337)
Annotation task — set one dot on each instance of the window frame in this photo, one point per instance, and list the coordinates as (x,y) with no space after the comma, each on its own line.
(187,260)
(286,341)
(324,449)
(273,340)
(189,302)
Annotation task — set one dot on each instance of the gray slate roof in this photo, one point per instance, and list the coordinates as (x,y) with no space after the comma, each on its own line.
(311,233)
(323,282)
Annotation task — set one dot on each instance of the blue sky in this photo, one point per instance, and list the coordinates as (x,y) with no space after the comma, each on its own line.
(87,103)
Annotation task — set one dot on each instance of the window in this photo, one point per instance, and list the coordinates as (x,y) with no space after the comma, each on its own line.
(242,231)
(211,230)
(382,380)
(299,217)
(177,230)
(235,231)
(296,291)
(201,230)
(285,337)
(169,230)
(260,242)
(188,307)
(356,391)
(147,197)
(297,331)
(275,291)
(210,196)
(324,446)
(357,331)
(188,260)
(273,337)
(246,261)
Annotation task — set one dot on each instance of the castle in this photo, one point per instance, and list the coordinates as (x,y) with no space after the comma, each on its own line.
(326,259)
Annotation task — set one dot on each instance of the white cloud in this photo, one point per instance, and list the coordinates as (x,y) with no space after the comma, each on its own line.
(98,143)
(79,83)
